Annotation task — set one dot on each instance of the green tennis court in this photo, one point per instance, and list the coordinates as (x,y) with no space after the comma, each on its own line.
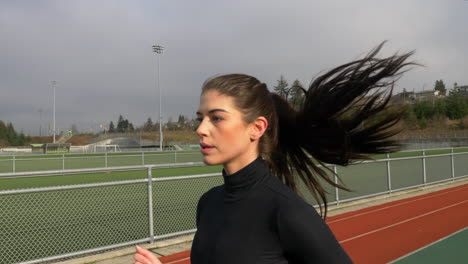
(452,249)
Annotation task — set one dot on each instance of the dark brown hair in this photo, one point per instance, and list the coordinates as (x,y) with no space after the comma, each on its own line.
(345,117)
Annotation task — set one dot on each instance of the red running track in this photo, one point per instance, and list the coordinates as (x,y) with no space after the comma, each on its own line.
(383,233)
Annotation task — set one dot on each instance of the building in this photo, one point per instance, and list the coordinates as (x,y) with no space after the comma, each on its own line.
(414,97)
(463,90)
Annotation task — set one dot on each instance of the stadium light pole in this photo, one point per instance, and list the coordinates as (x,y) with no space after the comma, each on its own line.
(54,84)
(159,50)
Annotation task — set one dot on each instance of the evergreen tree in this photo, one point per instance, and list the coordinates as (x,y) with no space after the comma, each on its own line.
(11,134)
(3,137)
(130,127)
(282,87)
(111,127)
(440,86)
(181,120)
(455,90)
(148,126)
(122,124)
(9,137)
(456,104)
(297,94)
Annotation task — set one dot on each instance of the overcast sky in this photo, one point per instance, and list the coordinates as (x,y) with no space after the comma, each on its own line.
(99,51)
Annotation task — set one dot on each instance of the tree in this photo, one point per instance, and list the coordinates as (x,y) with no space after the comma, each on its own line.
(130,127)
(9,137)
(455,90)
(456,104)
(440,86)
(181,120)
(282,88)
(11,134)
(122,124)
(148,126)
(297,95)
(111,127)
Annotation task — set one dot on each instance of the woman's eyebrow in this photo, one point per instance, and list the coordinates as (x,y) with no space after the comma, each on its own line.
(214,110)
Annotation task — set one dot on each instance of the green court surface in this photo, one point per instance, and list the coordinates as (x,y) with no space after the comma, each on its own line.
(60,180)
(22,163)
(452,249)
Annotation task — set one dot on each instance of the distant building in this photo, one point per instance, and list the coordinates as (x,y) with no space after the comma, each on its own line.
(413,97)
(463,90)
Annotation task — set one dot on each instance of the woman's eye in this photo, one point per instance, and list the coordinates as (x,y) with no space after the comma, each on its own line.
(217,118)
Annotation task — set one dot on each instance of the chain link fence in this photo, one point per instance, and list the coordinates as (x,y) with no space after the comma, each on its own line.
(46,224)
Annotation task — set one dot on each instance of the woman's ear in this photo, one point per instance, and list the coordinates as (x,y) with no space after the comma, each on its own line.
(258,127)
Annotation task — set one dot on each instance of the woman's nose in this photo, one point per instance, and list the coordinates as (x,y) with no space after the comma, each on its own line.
(201,130)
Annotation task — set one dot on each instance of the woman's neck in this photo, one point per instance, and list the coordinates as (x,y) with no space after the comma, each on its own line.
(234,166)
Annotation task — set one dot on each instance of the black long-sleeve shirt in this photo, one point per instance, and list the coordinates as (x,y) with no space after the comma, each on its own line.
(255,219)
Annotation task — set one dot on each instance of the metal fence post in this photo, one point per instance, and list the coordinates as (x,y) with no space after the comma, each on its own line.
(389,176)
(453,164)
(337,196)
(14,163)
(142,158)
(424,167)
(63,161)
(105,158)
(150,204)
(175,156)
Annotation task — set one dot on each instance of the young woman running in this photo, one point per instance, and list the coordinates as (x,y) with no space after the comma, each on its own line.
(268,148)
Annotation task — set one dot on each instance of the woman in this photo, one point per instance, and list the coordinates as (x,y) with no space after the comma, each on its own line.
(265,147)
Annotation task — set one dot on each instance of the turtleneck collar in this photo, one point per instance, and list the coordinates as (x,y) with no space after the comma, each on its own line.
(241,182)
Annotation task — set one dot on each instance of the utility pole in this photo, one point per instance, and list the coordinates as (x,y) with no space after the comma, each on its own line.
(40,121)
(159,50)
(54,84)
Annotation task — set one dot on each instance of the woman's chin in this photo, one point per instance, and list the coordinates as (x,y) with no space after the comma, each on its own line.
(210,161)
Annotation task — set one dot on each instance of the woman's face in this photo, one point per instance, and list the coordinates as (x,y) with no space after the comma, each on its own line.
(225,138)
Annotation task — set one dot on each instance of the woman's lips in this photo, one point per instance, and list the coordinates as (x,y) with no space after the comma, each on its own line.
(206,148)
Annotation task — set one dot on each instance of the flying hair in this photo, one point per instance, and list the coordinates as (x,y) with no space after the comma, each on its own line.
(345,117)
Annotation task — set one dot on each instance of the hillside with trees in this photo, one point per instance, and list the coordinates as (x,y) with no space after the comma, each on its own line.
(445,112)
(9,136)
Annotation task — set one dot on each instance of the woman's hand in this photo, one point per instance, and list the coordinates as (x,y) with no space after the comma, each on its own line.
(144,256)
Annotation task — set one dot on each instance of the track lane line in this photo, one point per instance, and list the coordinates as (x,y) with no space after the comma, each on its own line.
(401,222)
(176,261)
(428,245)
(382,218)
(389,244)
(394,205)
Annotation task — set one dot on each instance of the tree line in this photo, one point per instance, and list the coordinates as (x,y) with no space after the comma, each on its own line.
(124,126)
(9,136)
(453,106)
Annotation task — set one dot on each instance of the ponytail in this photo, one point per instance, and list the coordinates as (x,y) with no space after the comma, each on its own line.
(344,117)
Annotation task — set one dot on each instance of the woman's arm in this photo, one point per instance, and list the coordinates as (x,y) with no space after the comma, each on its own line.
(306,238)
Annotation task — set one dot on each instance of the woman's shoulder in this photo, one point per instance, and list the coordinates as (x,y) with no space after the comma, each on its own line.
(285,196)
(214,191)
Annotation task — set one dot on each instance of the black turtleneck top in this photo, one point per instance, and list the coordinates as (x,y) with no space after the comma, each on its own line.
(255,219)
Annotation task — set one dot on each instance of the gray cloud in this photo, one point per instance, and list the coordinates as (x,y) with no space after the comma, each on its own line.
(100,51)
